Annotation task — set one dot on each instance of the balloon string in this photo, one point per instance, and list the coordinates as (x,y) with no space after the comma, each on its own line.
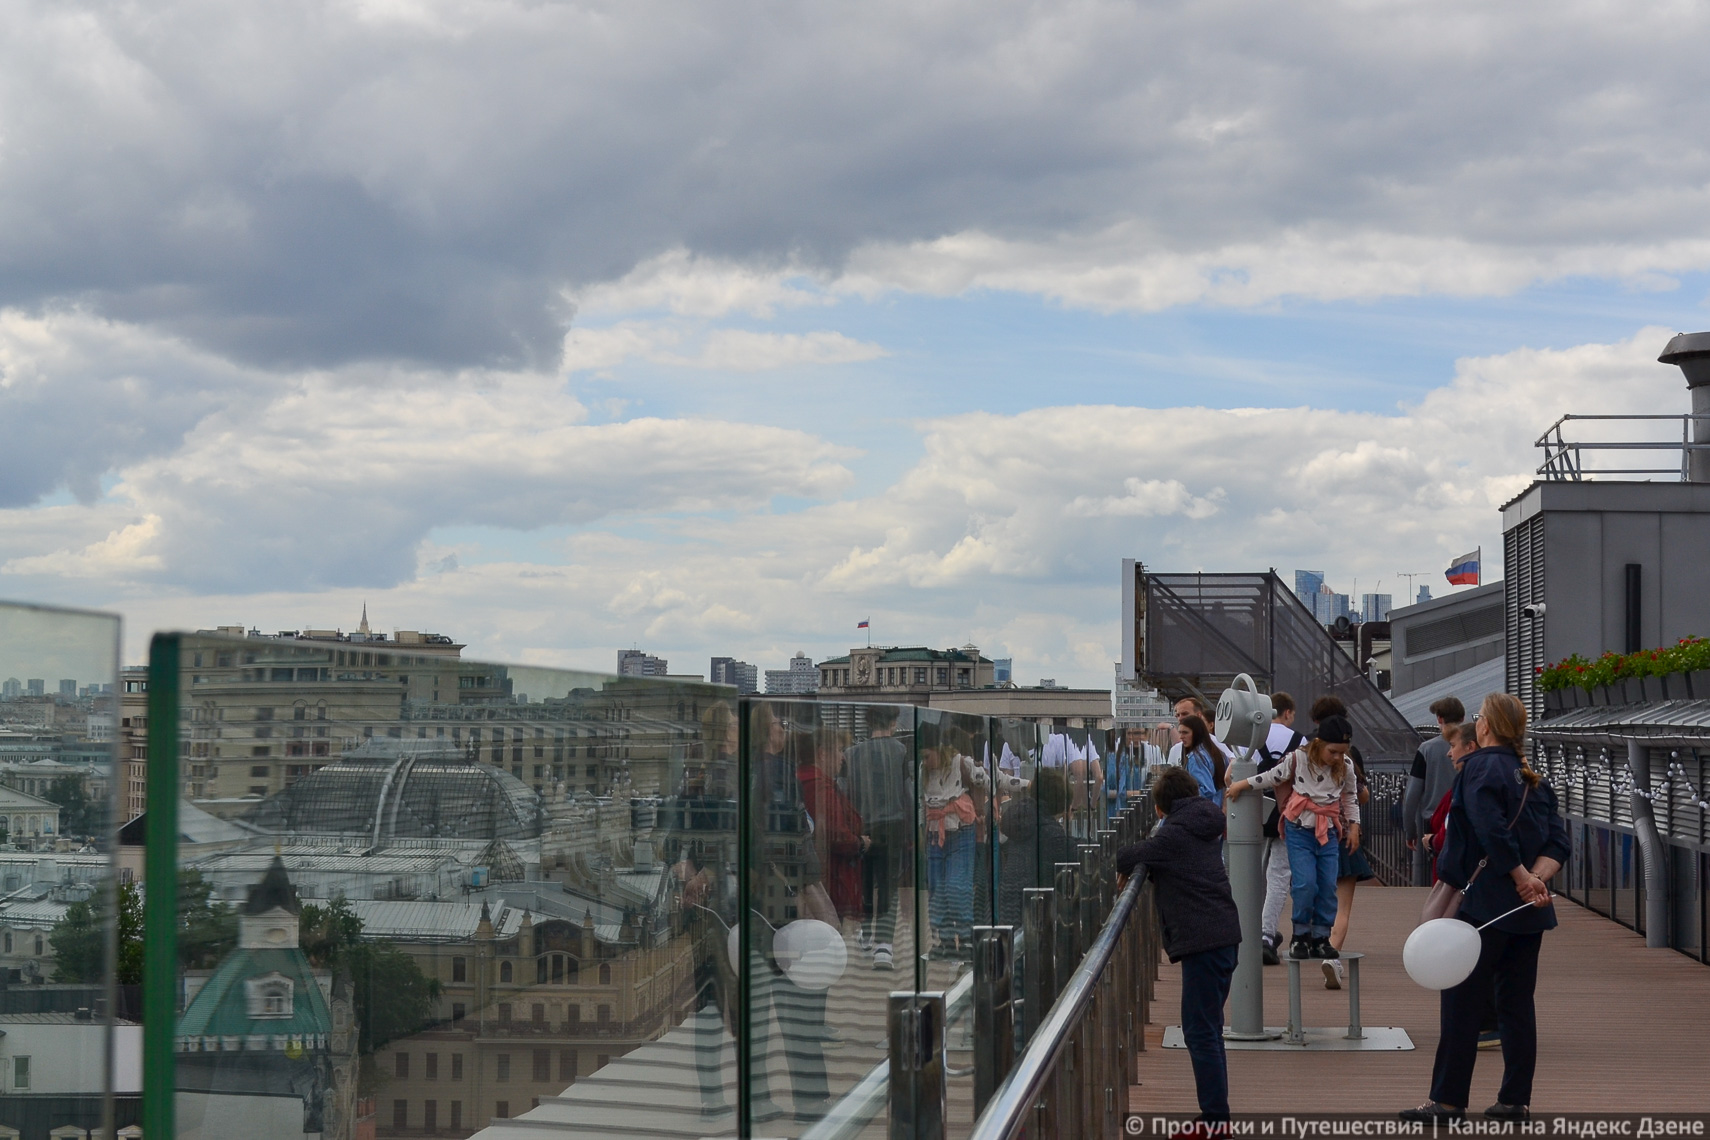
(1516,910)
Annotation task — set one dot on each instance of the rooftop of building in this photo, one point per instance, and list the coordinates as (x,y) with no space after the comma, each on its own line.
(889,654)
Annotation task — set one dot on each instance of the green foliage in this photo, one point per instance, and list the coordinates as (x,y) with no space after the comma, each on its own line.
(1687,655)
(393,997)
(77,815)
(207,930)
(79,944)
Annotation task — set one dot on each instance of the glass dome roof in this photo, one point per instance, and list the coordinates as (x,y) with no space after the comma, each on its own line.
(405,789)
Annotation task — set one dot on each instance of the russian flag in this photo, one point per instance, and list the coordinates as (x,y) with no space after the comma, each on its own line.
(1464,570)
(861,625)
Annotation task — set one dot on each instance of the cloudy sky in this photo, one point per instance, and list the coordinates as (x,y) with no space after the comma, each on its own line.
(719,327)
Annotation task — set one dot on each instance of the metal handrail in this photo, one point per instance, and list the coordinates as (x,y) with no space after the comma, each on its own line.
(1563,460)
(1012,1105)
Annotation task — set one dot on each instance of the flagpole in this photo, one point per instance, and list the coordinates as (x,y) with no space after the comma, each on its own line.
(1481,564)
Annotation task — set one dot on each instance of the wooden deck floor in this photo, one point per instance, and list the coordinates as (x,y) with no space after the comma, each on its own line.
(1621,1028)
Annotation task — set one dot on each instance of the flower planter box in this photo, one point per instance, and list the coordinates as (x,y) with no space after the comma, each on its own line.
(1676,687)
(1653,688)
(1699,681)
(1555,701)
(1632,691)
(1579,697)
(1600,695)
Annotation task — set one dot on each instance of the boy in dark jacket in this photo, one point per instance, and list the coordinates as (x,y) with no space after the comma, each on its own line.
(1202,929)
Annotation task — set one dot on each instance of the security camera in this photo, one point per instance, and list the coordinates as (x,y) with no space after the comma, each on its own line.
(1532,610)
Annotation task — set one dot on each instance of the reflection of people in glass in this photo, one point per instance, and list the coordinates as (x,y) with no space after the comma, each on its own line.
(839,837)
(1035,842)
(707,907)
(788,886)
(948,780)
(879,773)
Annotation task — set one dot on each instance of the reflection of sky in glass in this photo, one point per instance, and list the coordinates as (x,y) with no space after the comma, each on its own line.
(57,645)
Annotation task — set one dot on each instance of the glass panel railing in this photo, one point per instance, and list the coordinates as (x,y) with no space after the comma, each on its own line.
(70,1035)
(424,896)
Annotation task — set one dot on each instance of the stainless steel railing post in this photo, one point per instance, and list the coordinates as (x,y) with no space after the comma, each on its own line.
(1039,952)
(918,1085)
(994,1009)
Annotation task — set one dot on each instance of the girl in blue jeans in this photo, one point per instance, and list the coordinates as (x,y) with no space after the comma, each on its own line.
(1321,812)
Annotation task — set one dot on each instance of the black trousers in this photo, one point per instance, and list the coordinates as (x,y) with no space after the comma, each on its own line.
(1507,973)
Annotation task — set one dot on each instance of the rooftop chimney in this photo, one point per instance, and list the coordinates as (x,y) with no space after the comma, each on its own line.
(1691,351)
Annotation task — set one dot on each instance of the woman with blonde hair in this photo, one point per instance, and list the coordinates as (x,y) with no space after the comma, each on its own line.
(1504,840)
(1324,807)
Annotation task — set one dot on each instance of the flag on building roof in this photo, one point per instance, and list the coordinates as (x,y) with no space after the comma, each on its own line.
(861,625)
(1463,571)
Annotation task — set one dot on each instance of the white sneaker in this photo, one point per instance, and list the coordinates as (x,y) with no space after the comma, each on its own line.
(1332,973)
(882,959)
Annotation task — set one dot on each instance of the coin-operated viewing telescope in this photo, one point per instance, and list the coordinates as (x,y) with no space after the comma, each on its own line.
(1243,715)
(1243,721)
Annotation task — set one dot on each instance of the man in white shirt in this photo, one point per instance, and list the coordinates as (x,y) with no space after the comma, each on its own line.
(1279,742)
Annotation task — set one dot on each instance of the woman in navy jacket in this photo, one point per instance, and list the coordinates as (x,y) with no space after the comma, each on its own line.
(1505,840)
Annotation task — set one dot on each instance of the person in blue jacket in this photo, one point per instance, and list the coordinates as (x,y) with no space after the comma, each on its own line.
(1504,842)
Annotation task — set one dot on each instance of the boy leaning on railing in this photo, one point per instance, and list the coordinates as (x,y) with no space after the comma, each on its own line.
(1201,927)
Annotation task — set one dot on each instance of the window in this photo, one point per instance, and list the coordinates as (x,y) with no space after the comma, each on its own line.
(260,772)
(604,1015)
(301,712)
(38,944)
(261,750)
(263,731)
(20,1072)
(263,714)
(543,1064)
(502,1066)
(540,971)
(943,676)
(400,1114)
(502,1109)
(567,1064)
(402,1061)
(573,1013)
(920,676)
(605,974)
(504,1013)
(456,1116)
(539,1016)
(8,942)
(505,971)
(430,1115)
(456,1069)
(430,1067)
(460,969)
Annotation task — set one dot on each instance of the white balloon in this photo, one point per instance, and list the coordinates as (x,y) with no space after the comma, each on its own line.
(1440,954)
(812,953)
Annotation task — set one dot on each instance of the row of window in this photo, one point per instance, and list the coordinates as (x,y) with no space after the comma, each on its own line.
(541,1060)
(554,967)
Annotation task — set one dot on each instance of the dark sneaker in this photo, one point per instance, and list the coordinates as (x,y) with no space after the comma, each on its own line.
(1268,945)
(1500,1111)
(1301,948)
(1321,948)
(1431,1111)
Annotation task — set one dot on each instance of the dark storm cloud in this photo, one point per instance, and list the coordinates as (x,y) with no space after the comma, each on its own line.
(310,184)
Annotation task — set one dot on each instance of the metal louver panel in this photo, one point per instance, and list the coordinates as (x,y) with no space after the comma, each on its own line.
(1523,585)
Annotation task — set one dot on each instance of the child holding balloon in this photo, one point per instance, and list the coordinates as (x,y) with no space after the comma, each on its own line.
(1323,807)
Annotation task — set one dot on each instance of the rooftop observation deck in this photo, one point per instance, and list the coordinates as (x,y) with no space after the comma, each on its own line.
(1621,1028)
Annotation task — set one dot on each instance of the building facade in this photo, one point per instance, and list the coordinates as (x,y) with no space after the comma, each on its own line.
(801,679)
(903,674)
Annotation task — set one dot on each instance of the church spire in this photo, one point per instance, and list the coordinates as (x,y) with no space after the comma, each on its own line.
(363,628)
